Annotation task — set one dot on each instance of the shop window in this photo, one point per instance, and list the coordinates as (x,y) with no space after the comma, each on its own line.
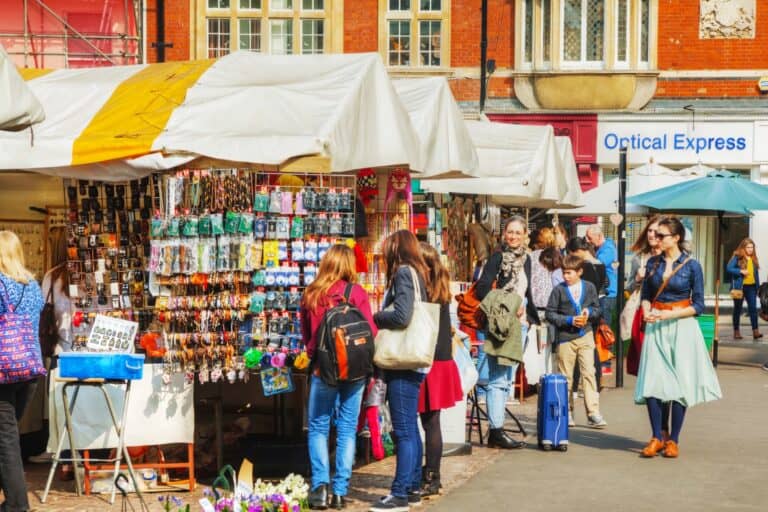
(281,37)
(250,34)
(591,34)
(276,27)
(218,37)
(312,36)
(414,32)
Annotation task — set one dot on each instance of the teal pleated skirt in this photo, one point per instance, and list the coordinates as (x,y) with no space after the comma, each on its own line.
(675,364)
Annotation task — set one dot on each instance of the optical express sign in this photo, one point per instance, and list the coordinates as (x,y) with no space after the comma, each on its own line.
(676,143)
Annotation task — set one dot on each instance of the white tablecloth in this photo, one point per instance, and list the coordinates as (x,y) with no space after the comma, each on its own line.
(157,414)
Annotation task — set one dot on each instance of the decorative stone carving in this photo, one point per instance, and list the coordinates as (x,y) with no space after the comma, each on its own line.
(727,19)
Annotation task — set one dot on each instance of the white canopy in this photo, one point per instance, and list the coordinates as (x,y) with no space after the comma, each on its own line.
(446,144)
(519,165)
(243,107)
(18,106)
(603,200)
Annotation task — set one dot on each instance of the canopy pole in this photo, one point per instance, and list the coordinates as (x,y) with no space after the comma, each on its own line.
(621,249)
(718,265)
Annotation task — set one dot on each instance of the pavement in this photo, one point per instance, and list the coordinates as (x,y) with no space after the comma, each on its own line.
(723,463)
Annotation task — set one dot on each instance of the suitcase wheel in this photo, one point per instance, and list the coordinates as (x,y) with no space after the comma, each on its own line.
(546,447)
(563,447)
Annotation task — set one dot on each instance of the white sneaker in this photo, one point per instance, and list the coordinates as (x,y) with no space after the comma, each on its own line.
(43,458)
(596,421)
(571,421)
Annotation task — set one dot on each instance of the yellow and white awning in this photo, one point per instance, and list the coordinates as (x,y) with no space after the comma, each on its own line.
(18,106)
(244,107)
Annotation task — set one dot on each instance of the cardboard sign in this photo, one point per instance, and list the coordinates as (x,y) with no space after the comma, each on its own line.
(112,335)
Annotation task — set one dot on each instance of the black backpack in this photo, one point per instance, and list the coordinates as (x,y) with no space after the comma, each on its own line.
(344,344)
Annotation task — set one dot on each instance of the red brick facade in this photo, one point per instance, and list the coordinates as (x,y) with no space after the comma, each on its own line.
(177,29)
(361,26)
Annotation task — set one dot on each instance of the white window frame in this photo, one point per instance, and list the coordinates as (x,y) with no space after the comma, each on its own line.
(218,7)
(430,51)
(623,64)
(400,11)
(289,33)
(261,33)
(302,34)
(414,16)
(644,64)
(524,30)
(290,9)
(322,9)
(581,63)
(251,9)
(545,35)
(409,24)
(228,49)
(430,11)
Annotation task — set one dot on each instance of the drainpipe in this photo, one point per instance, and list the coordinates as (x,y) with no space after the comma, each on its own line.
(160,44)
(483,52)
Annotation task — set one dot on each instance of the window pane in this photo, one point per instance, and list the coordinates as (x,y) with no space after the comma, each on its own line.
(281,4)
(595,22)
(281,37)
(546,14)
(622,20)
(399,43)
(528,32)
(430,5)
(218,4)
(312,36)
(429,43)
(250,4)
(250,35)
(399,5)
(572,30)
(312,5)
(218,37)
(645,19)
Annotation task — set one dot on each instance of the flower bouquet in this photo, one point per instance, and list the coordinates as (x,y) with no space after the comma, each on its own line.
(288,495)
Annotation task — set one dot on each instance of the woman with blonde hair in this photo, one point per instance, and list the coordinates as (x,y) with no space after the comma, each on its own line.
(744,270)
(442,387)
(20,294)
(336,282)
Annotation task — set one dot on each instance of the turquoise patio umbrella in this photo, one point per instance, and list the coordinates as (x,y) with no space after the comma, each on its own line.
(718,193)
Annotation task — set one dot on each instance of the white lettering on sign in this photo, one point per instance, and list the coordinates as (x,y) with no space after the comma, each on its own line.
(676,143)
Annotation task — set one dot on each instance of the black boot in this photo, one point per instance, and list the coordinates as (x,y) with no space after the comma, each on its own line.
(338,502)
(430,483)
(499,439)
(318,498)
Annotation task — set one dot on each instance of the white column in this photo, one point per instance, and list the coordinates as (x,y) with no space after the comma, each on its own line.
(760,219)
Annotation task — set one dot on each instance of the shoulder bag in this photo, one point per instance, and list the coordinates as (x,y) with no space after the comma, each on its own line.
(413,347)
(20,358)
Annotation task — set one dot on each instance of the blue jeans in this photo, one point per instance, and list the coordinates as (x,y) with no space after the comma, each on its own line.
(322,403)
(500,381)
(482,367)
(403,395)
(750,293)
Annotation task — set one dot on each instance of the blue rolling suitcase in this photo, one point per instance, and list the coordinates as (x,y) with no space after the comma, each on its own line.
(552,417)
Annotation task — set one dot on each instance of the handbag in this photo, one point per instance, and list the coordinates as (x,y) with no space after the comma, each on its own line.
(604,339)
(414,346)
(20,357)
(737,293)
(627,316)
(468,308)
(467,369)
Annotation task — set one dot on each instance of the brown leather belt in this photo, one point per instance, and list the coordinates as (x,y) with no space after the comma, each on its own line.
(681,304)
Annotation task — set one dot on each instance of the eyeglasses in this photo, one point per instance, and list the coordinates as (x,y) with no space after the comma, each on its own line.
(663,235)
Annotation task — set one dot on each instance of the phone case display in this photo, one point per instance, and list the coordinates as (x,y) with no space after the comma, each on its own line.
(232,251)
(107,249)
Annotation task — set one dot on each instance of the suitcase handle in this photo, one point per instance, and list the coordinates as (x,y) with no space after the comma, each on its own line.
(555,410)
(132,367)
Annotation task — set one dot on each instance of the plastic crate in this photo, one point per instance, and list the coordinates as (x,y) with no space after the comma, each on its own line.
(98,365)
(707,326)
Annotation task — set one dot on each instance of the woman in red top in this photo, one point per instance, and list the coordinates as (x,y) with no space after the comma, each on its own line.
(442,387)
(337,268)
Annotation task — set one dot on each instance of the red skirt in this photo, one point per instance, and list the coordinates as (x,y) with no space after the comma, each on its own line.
(442,387)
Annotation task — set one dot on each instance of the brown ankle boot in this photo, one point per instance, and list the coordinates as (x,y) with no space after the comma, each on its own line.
(756,334)
(737,335)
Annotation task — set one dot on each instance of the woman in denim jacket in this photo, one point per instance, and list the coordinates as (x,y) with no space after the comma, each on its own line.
(674,363)
(744,270)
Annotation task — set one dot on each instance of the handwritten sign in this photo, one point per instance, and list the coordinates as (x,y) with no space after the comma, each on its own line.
(112,335)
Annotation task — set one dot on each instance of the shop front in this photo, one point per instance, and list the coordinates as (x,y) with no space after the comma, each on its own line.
(677,142)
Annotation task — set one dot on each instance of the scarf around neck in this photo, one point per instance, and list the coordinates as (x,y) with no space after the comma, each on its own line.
(512,261)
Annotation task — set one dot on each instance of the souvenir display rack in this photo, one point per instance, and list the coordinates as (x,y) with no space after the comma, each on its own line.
(231,252)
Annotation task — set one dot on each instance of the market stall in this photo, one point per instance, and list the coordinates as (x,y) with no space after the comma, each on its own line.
(210,255)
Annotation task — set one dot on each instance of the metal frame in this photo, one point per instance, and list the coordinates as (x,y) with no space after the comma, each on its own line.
(29,37)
